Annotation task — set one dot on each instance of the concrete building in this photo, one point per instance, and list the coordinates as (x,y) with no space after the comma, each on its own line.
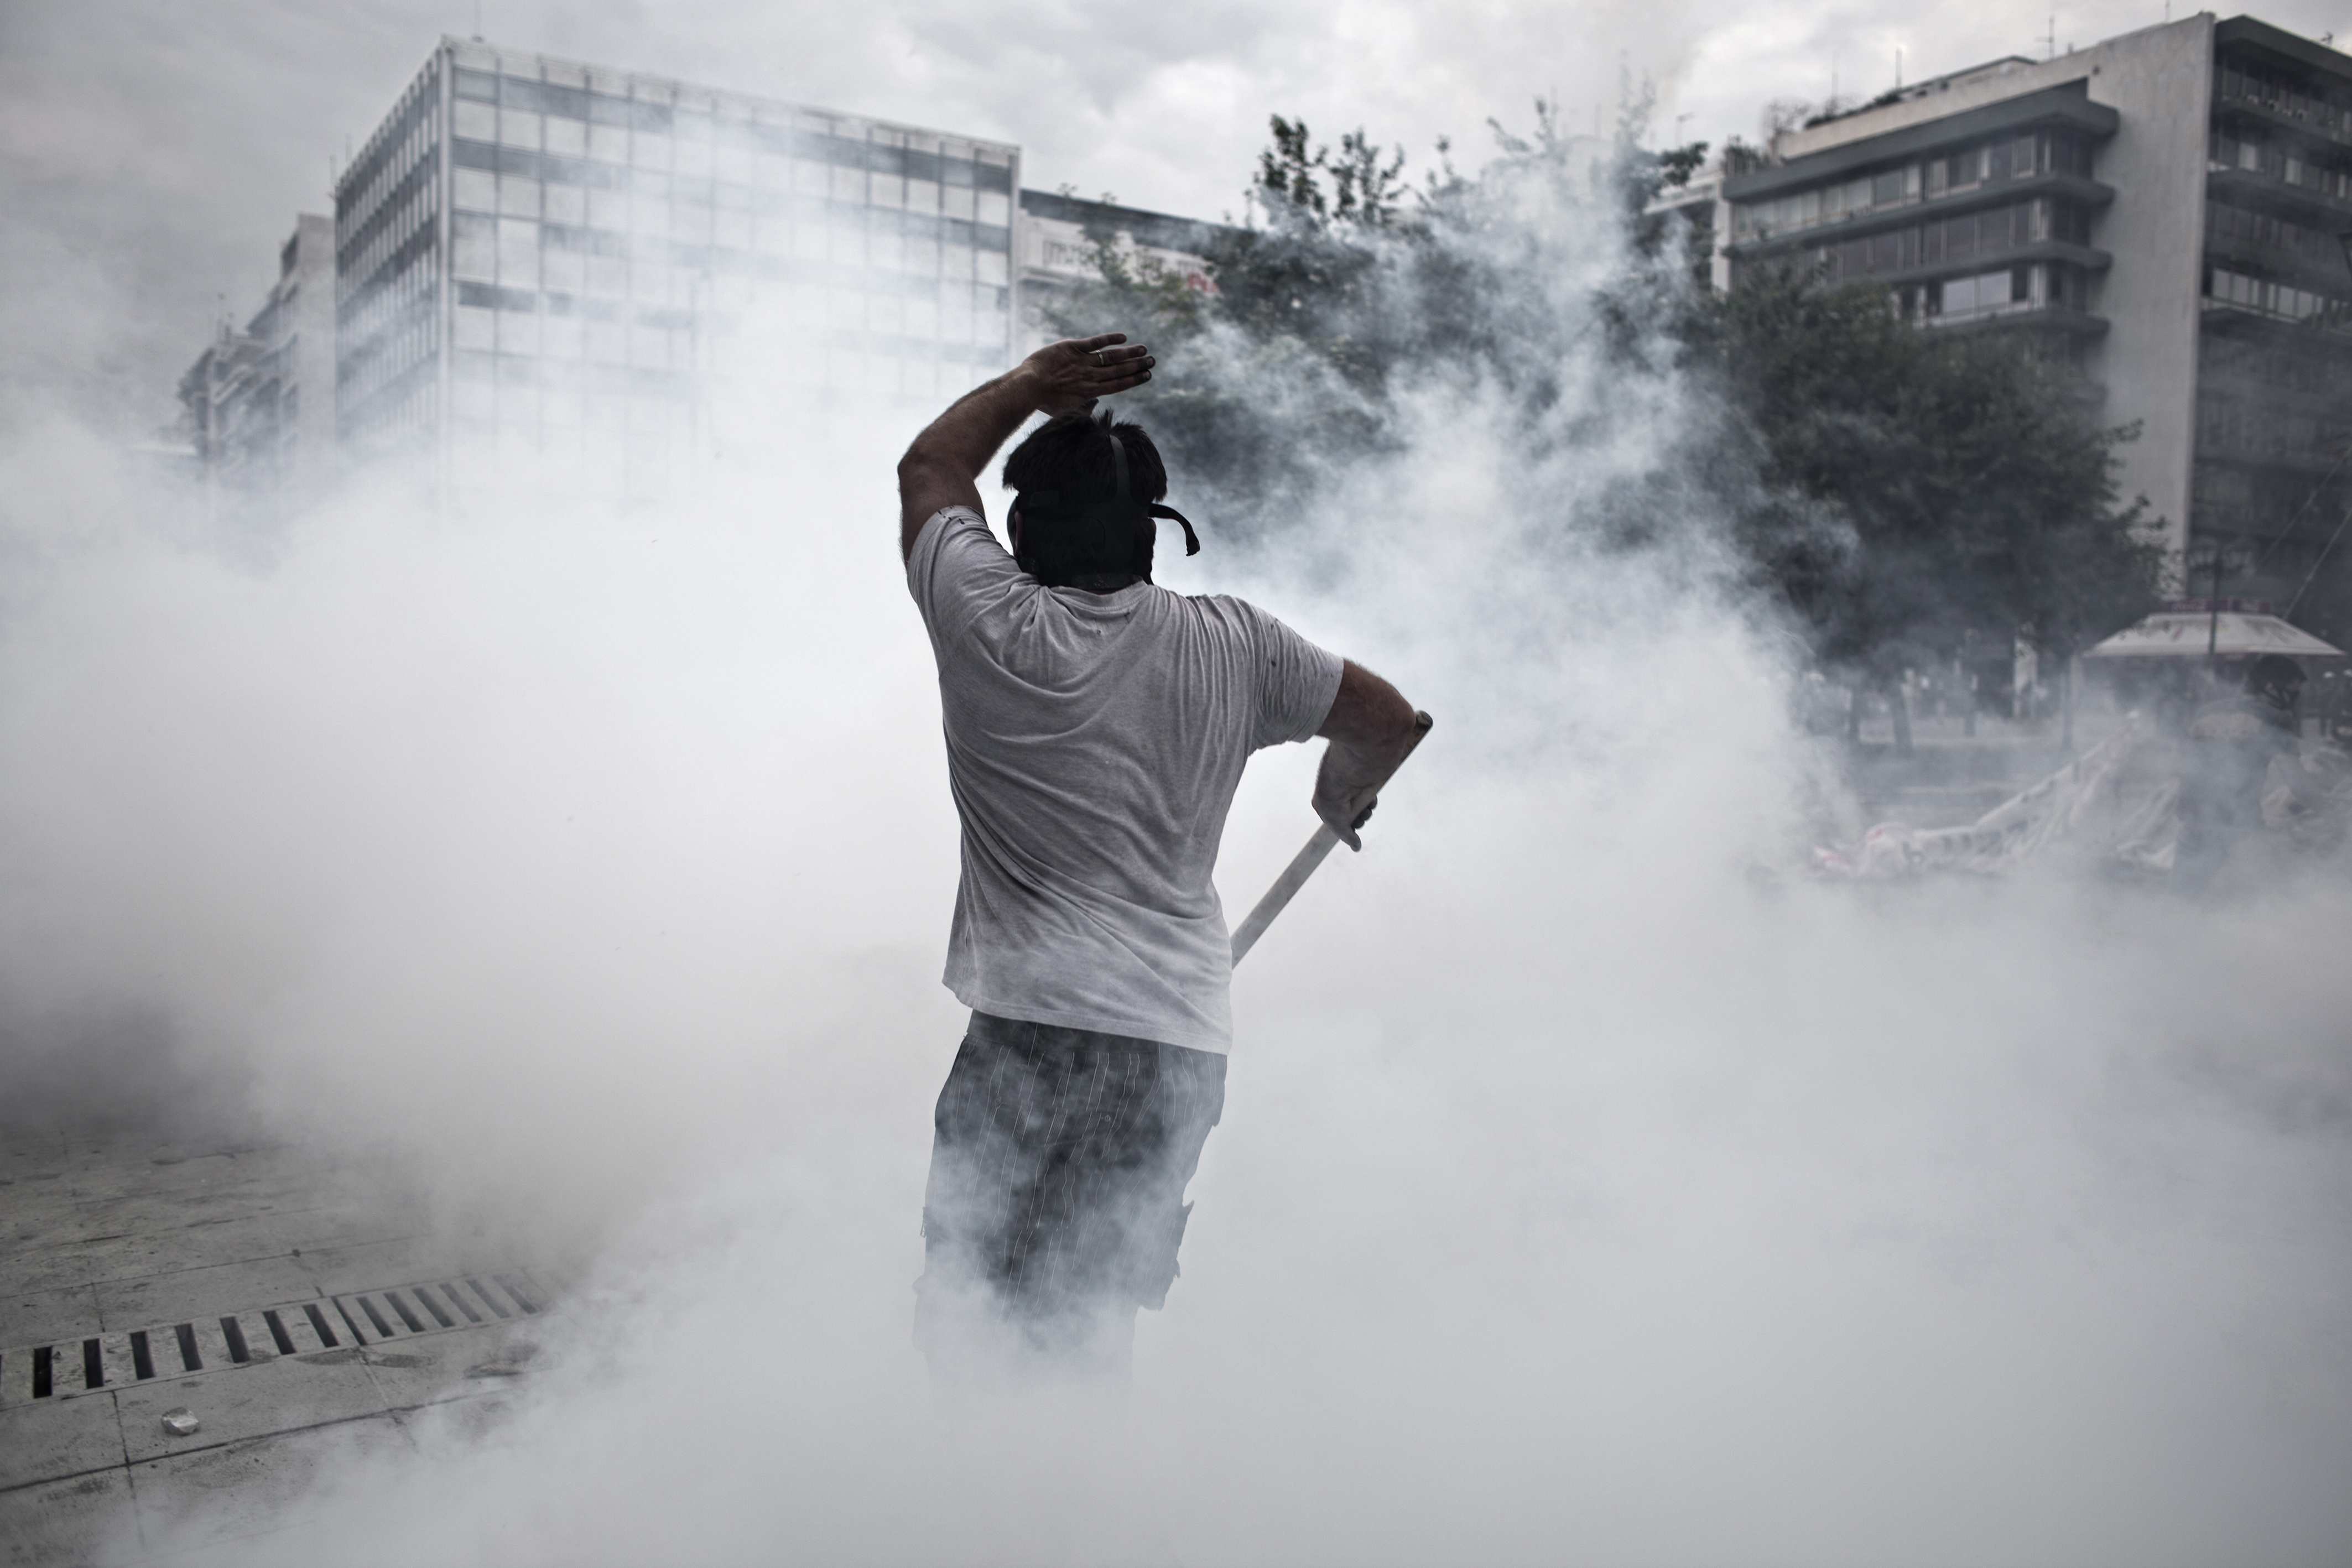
(559,277)
(1698,206)
(1056,248)
(544,267)
(2166,209)
(258,406)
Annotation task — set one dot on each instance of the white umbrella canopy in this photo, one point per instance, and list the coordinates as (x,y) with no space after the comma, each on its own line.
(2189,631)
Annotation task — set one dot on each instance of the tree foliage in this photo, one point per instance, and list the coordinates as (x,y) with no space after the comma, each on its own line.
(1916,484)
(1344,282)
(1366,188)
(1894,487)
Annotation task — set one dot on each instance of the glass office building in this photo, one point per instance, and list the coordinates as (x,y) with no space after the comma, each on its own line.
(554,274)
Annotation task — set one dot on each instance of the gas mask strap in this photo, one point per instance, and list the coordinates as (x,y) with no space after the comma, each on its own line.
(1192,539)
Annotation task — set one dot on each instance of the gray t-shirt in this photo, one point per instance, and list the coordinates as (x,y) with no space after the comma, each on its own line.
(1094,745)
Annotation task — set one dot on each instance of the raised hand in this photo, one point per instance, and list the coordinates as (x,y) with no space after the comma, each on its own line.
(1067,377)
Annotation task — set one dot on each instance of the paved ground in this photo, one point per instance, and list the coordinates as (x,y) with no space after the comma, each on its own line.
(304,1316)
(302,1319)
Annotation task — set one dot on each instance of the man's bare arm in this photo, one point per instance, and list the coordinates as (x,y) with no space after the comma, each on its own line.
(1370,727)
(942,468)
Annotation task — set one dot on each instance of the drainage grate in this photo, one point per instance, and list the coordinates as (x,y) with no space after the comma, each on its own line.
(69,1369)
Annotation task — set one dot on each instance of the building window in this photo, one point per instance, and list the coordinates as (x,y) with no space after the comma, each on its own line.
(1965,169)
(2264,296)
(2247,428)
(2283,97)
(1981,294)
(518,252)
(2225,222)
(476,328)
(474,248)
(2068,153)
(2069,222)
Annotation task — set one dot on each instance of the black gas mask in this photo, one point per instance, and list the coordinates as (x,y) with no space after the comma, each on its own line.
(1063,540)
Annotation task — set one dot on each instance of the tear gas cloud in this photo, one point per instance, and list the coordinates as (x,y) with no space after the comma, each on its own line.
(1593,1187)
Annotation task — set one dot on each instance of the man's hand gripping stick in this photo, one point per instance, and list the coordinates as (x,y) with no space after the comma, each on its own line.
(1302,866)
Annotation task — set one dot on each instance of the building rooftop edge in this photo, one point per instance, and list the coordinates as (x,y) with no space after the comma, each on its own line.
(2245,29)
(1080,209)
(452,43)
(1856,124)
(1963,74)
(2067,101)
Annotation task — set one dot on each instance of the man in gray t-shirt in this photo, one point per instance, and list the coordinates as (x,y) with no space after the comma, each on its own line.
(1097,725)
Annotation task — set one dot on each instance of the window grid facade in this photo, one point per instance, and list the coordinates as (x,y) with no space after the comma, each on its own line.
(2275,336)
(548,267)
(1978,229)
(1980,166)
(2168,210)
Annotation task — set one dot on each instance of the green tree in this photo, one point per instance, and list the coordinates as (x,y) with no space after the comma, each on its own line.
(1284,366)
(1914,483)
(1894,487)
(1343,282)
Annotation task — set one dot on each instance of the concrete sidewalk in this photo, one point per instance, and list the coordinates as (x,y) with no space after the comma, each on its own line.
(301,1316)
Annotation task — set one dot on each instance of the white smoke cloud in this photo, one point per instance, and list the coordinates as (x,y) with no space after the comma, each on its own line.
(1591,1186)
(1580,1195)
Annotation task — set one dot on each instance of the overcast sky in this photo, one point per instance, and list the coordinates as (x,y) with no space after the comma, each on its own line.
(153,152)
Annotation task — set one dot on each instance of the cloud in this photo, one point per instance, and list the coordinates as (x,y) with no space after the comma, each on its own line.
(163,148)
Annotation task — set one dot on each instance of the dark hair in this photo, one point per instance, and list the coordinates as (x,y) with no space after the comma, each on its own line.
(2274,670)
(1063,471)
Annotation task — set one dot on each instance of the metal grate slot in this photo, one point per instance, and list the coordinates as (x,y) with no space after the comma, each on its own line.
(301,1329)
(257,1336)
(350,1322)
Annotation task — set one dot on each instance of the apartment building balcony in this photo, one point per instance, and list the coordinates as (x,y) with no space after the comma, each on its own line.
(2061,321)
(2239,302)
(2266,192)
(2314,128)
(1861,225)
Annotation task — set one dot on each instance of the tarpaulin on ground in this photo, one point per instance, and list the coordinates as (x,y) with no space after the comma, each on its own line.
(2017,829)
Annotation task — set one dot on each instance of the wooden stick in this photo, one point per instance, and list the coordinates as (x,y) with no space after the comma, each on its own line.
(1302,864)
